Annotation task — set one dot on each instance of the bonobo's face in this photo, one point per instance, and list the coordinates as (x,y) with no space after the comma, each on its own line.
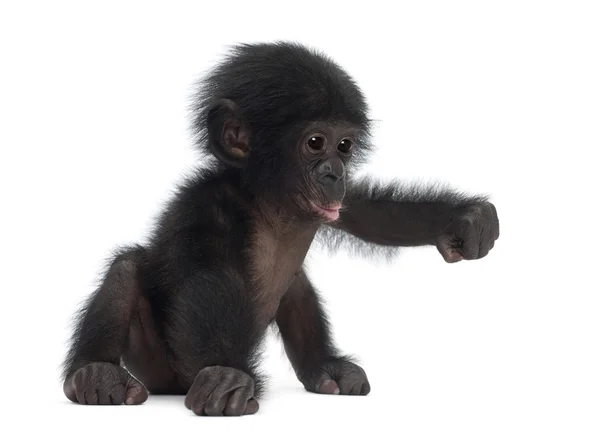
(325,150)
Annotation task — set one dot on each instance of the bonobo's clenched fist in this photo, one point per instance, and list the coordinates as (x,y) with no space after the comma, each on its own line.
(470,234)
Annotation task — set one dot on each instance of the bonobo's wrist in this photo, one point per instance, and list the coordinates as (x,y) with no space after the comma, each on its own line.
(442,219)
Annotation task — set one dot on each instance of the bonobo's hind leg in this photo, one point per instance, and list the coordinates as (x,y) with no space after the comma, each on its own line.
(92,372)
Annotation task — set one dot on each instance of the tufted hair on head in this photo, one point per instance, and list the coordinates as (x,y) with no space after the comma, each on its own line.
(279,85)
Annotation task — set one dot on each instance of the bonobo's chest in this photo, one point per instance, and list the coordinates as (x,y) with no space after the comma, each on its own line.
(275,259)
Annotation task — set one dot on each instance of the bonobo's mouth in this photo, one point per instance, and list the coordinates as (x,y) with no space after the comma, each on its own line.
(330,213)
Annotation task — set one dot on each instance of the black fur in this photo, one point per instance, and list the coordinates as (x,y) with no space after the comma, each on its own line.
(279,84)
(186,312)
(418,203)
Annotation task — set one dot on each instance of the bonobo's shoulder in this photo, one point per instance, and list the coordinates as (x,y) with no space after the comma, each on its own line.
(201,226)
(206,189)
(206,199)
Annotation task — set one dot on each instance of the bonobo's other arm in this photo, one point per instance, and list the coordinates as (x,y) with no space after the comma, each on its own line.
(461,226)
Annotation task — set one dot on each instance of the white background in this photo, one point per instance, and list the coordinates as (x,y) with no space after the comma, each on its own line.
(499,97)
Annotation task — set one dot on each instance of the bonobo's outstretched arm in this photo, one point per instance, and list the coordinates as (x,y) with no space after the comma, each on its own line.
(307,341)
(461,226)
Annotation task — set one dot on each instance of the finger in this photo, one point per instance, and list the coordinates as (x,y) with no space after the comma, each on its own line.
(237,403)
(117,394)
(218,399)
(215,404)
(200,397)
(80,396)
(91,396)
(136,393)
(483,251)
(350,386)
(448,251)
(470,247)
(365,389)
(355,390)
(103,396)
(69,389)
(79,385)
(485,244)
(200,390)
(495,222)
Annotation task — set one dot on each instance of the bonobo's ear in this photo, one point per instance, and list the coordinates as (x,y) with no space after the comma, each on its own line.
(228,134)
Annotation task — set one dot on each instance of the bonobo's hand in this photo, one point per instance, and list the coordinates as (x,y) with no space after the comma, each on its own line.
(336,376)
(219,391)
(104,383)
(470,234)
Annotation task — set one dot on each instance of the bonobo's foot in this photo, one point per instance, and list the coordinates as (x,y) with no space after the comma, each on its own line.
(219,391)
(336,376)
(104,383)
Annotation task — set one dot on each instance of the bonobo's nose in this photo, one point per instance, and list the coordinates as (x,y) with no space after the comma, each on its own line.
(330,171)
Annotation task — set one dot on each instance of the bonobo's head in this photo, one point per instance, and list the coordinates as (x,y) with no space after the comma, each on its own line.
(289,120)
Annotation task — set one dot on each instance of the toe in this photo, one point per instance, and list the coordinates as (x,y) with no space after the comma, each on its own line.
(136,394)
(251,407)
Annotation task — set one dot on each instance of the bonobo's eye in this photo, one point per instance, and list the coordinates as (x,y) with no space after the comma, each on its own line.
(345,146)
(316,142)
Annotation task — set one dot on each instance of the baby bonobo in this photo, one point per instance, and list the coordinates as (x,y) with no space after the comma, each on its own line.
(282,128)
